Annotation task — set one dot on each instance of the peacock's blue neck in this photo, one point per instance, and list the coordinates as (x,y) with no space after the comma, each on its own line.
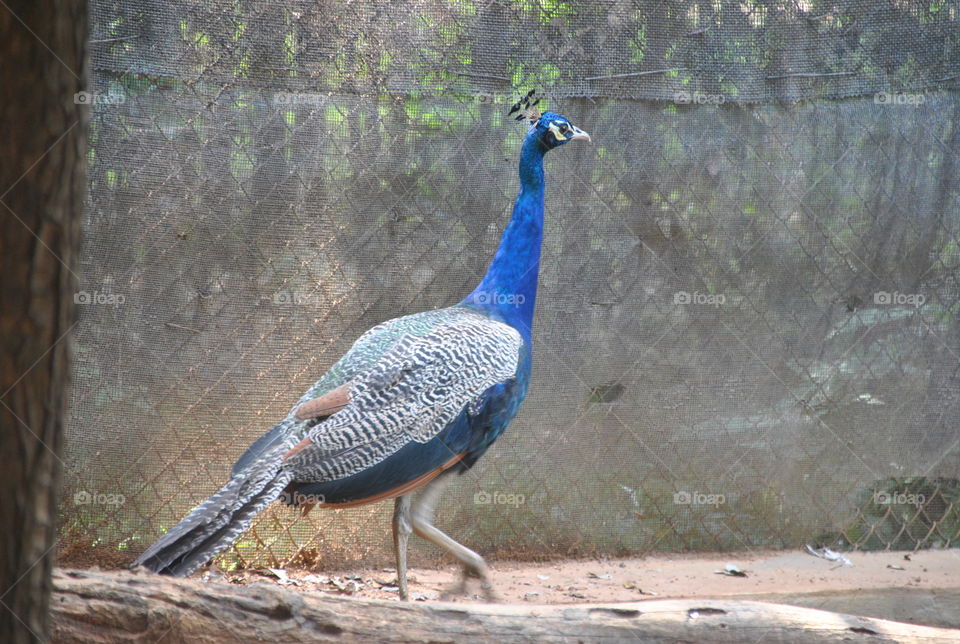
(509,289)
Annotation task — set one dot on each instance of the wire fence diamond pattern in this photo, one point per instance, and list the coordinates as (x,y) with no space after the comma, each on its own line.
(746,332)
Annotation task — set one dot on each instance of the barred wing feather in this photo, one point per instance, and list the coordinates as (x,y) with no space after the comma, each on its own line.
(415,390)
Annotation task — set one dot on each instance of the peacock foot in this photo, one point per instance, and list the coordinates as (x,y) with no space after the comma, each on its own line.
(479,572)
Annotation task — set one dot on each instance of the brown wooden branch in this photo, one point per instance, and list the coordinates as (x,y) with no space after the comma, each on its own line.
(93,606)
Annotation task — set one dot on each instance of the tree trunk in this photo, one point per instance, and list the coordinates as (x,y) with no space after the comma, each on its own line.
(91,607)
(42,184)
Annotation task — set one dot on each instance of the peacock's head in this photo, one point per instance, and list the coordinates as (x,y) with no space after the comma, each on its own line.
(555,130)
(550,128)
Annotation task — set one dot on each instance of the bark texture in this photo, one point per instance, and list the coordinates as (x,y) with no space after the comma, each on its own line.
(42,184)
(91,607)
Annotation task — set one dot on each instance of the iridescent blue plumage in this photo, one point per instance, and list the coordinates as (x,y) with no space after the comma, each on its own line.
(413,399)
(509,289)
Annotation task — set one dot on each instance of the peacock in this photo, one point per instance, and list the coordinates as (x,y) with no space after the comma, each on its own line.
(413,401)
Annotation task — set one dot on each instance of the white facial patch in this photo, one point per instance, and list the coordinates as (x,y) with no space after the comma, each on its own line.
(556,131)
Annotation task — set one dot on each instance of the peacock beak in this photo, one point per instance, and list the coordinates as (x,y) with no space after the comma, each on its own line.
(578,134)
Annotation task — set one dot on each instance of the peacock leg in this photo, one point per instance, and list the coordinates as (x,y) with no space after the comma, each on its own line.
(422,519)
(401,534)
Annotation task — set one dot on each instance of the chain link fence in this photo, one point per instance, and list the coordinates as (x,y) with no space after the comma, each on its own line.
(747,332)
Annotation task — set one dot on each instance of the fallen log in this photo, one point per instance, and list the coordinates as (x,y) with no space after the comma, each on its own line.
(92,606)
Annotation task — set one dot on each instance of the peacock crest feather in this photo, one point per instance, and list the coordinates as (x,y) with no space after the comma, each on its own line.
(527,106)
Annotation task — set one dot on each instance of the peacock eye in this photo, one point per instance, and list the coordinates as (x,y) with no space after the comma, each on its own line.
(564,128)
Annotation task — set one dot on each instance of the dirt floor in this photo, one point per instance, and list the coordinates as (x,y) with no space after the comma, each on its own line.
(652,577)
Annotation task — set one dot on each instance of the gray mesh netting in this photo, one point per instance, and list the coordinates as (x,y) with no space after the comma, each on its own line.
(747,331)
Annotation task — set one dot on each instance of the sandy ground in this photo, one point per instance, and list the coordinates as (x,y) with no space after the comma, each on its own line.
(637,579)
